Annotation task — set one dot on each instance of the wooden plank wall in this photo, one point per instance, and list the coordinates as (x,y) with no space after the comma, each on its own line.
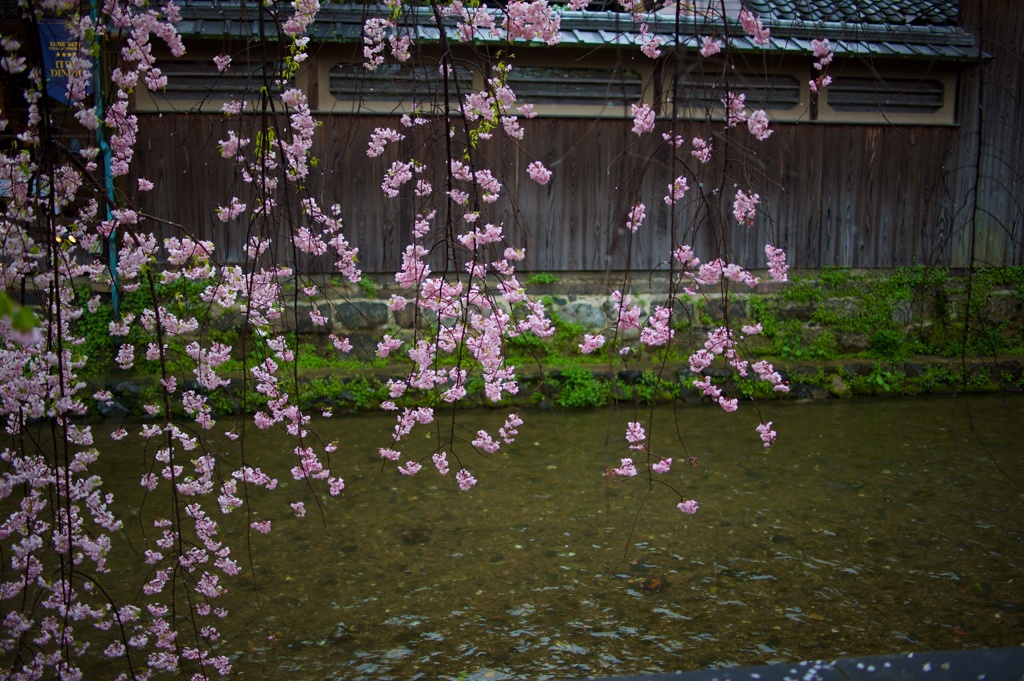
(851,195)
(987,204)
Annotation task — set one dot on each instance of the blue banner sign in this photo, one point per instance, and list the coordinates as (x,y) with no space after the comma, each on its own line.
(59,50)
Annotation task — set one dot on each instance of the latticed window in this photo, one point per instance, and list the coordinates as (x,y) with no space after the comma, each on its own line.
(890,95)
(695,92)
(200,80)
(572,86)
(397,83)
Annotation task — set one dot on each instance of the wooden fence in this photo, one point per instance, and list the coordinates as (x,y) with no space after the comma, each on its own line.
(852,195)
(988,160)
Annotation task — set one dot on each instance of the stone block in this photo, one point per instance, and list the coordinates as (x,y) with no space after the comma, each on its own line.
(850,341)
(903,312)
(844,307)
(589,315)
(802,311)
(1003,306)
(361,314)
(735,307)
(111,409)
(839,388)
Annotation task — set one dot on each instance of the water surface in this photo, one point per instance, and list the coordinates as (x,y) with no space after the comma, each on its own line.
(871,527)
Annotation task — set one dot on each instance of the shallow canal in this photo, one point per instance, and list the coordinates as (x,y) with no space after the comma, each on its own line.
(871,527)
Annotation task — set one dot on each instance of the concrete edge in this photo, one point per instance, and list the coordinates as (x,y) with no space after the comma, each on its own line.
(986,664)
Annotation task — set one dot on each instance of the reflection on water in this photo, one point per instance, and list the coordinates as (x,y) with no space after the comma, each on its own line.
(871,527)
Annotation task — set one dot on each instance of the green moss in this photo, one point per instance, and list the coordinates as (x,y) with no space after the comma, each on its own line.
(368,286)
(540,278)
(652,388)
(834,278)
(885,309)
(887,344)
(580,388)
(879,381)
(802,290)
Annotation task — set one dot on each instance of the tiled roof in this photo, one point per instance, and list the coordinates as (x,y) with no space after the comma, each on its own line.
(867,12)
(904,30)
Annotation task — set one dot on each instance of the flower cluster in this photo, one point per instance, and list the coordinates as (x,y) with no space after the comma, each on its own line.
(380,138)
(735,108)
(823,54)
(701,150)
(676,190)
(649,43)
(532,21)
(375,30)
(754,28)
(710,47)
(538,173)
(636,217)
(776,262)
(643,118)
(757,122)
(744,207)
(636,436)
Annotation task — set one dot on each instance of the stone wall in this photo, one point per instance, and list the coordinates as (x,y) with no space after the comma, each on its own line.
(584,299)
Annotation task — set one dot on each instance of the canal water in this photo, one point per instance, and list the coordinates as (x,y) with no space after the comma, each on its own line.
(871,527)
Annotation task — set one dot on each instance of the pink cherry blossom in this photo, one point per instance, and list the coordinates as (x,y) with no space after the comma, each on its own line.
(508,430)
(744,207)
(701,150)
(374,31)
(636,436)
(441,462)
(677,190)
(777,266)
(820,83)
(591,343)
(465,480)
(380,138)
(661,467)
(710,46)
(754,28)
(767,434)
(766,372)
(822,52)
(532,21)
(643,118)
(658,332)
(735,108)
(410,468)
(649,43)
(538,172)
(398,174)
(690,507)
(457,279)
(676,141)
(485,442)
(636,217)
(626,469)
(758,125)
(386,346)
